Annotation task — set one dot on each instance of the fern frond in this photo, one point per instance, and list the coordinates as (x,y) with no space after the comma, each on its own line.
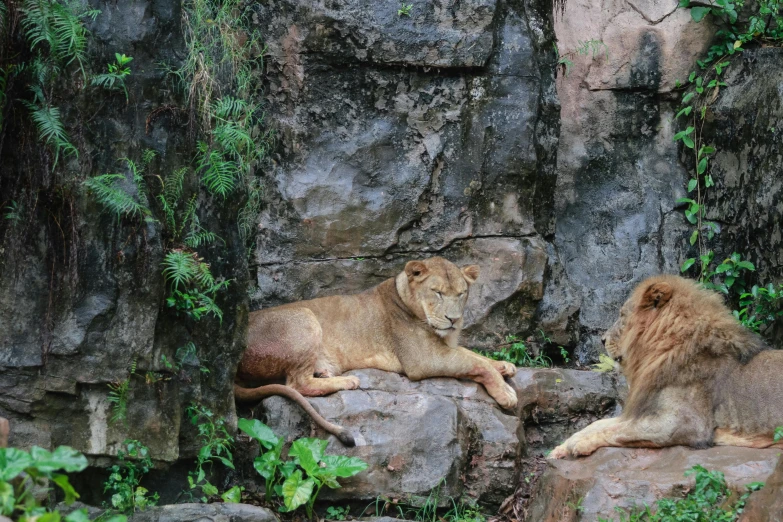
(107,189)
(229,108)
(218,174)
(51,130)
(204,276)
(199,237)
(190,214)
(58,26)
(148,155)
(180,268)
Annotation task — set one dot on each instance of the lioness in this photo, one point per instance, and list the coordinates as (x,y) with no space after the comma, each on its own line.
(696,376)
(408,324)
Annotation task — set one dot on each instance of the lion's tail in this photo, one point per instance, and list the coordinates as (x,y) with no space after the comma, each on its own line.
(256,394)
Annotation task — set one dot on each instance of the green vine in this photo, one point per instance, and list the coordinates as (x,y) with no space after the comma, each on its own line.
(704,85)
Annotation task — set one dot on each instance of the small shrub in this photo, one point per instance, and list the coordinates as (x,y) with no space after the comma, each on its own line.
(299,479)
(127,496)
(706,502)
(216,445)
(516,352)
(114,80)
(193,287)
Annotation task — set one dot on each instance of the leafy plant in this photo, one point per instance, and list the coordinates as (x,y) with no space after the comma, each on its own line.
(299,479)
(337,512)
(127,495)
(181,355)
(705,502)
(13,212)
(778,436)
(118,396)
(516,352)
(21,471)
(760,307)
(115,193)
(50,127)
(115,78)
(184,269)
(405,9)
(216,445)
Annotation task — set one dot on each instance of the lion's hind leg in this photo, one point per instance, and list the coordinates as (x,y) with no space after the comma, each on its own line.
(728,437)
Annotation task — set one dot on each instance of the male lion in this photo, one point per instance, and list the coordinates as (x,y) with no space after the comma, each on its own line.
(696,376)
(408,324)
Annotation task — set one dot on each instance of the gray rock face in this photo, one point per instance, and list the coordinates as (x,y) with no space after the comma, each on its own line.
(446,433)
(628,478)
(81,295)
(415,436)
(382,162)
(205,513)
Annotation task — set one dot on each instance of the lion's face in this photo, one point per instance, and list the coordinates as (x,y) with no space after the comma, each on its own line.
(436,290)
(613,335)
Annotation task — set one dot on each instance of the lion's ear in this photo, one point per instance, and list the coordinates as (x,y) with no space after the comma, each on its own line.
(471,273)
(415,269)
(656,295)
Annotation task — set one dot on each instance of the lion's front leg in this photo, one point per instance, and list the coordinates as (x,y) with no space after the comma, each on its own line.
(585,441)
(506,369)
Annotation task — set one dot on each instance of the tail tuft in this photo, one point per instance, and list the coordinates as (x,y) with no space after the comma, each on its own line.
(346,438)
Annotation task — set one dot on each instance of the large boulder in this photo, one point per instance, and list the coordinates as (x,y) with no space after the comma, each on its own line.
(767,504)
(446,433)
(590,488)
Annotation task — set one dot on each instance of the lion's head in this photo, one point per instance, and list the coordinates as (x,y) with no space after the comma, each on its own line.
(671,326)
(436,291)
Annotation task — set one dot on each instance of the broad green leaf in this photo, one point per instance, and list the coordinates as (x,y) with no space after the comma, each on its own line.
(232,496)
(685,200)
(13,462)
(208,489)
(706,150)
(686,111)
(688,142)
(687,97)
(70,494)
(736,257)
(687,264)
(685,3)
(699,81)
(63,458)
(692,185)
(227,463)
(692,76)
(698,13)
(7,498)
(343,466)
(702,166)
(297,491)
(54,516)
(288,468)
(747,265)
(259,431)
(694,237)
(80,515)
(730,281)
(309,451)
(708,181)
(723,267)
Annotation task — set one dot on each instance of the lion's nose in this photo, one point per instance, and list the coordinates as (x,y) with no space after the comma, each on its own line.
(452,320)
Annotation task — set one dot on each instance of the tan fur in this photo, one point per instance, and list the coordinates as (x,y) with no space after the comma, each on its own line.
(409,324)
(696,376)
(4,429)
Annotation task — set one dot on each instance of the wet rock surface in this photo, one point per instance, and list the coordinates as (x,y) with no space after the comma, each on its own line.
(416,434)
(627,478)
(419,135)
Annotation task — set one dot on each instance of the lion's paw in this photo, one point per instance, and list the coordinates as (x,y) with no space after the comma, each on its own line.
(559,452)
(506,369)
(583,448)
(508,397)
(352,382)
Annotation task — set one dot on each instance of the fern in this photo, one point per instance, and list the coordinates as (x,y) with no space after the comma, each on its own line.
(50,129)
(58,27)
(107,189)
(180,268)
(198,237)
(218,174)
(118,396)
(185,270)
(248,214)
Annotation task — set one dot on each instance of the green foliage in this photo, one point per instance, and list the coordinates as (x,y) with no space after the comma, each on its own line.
(706,502)
(405,9)
(118,396)
(56,28)
(516,352)
(13,212)
(120,197)
(425,509)
(778,434)
(114,80)
(182,354)
(51,130)
(21,471)
(216,445)
(299,479)
(127,496)
(761,306)
(193,287)
(337,512)
(583,48)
